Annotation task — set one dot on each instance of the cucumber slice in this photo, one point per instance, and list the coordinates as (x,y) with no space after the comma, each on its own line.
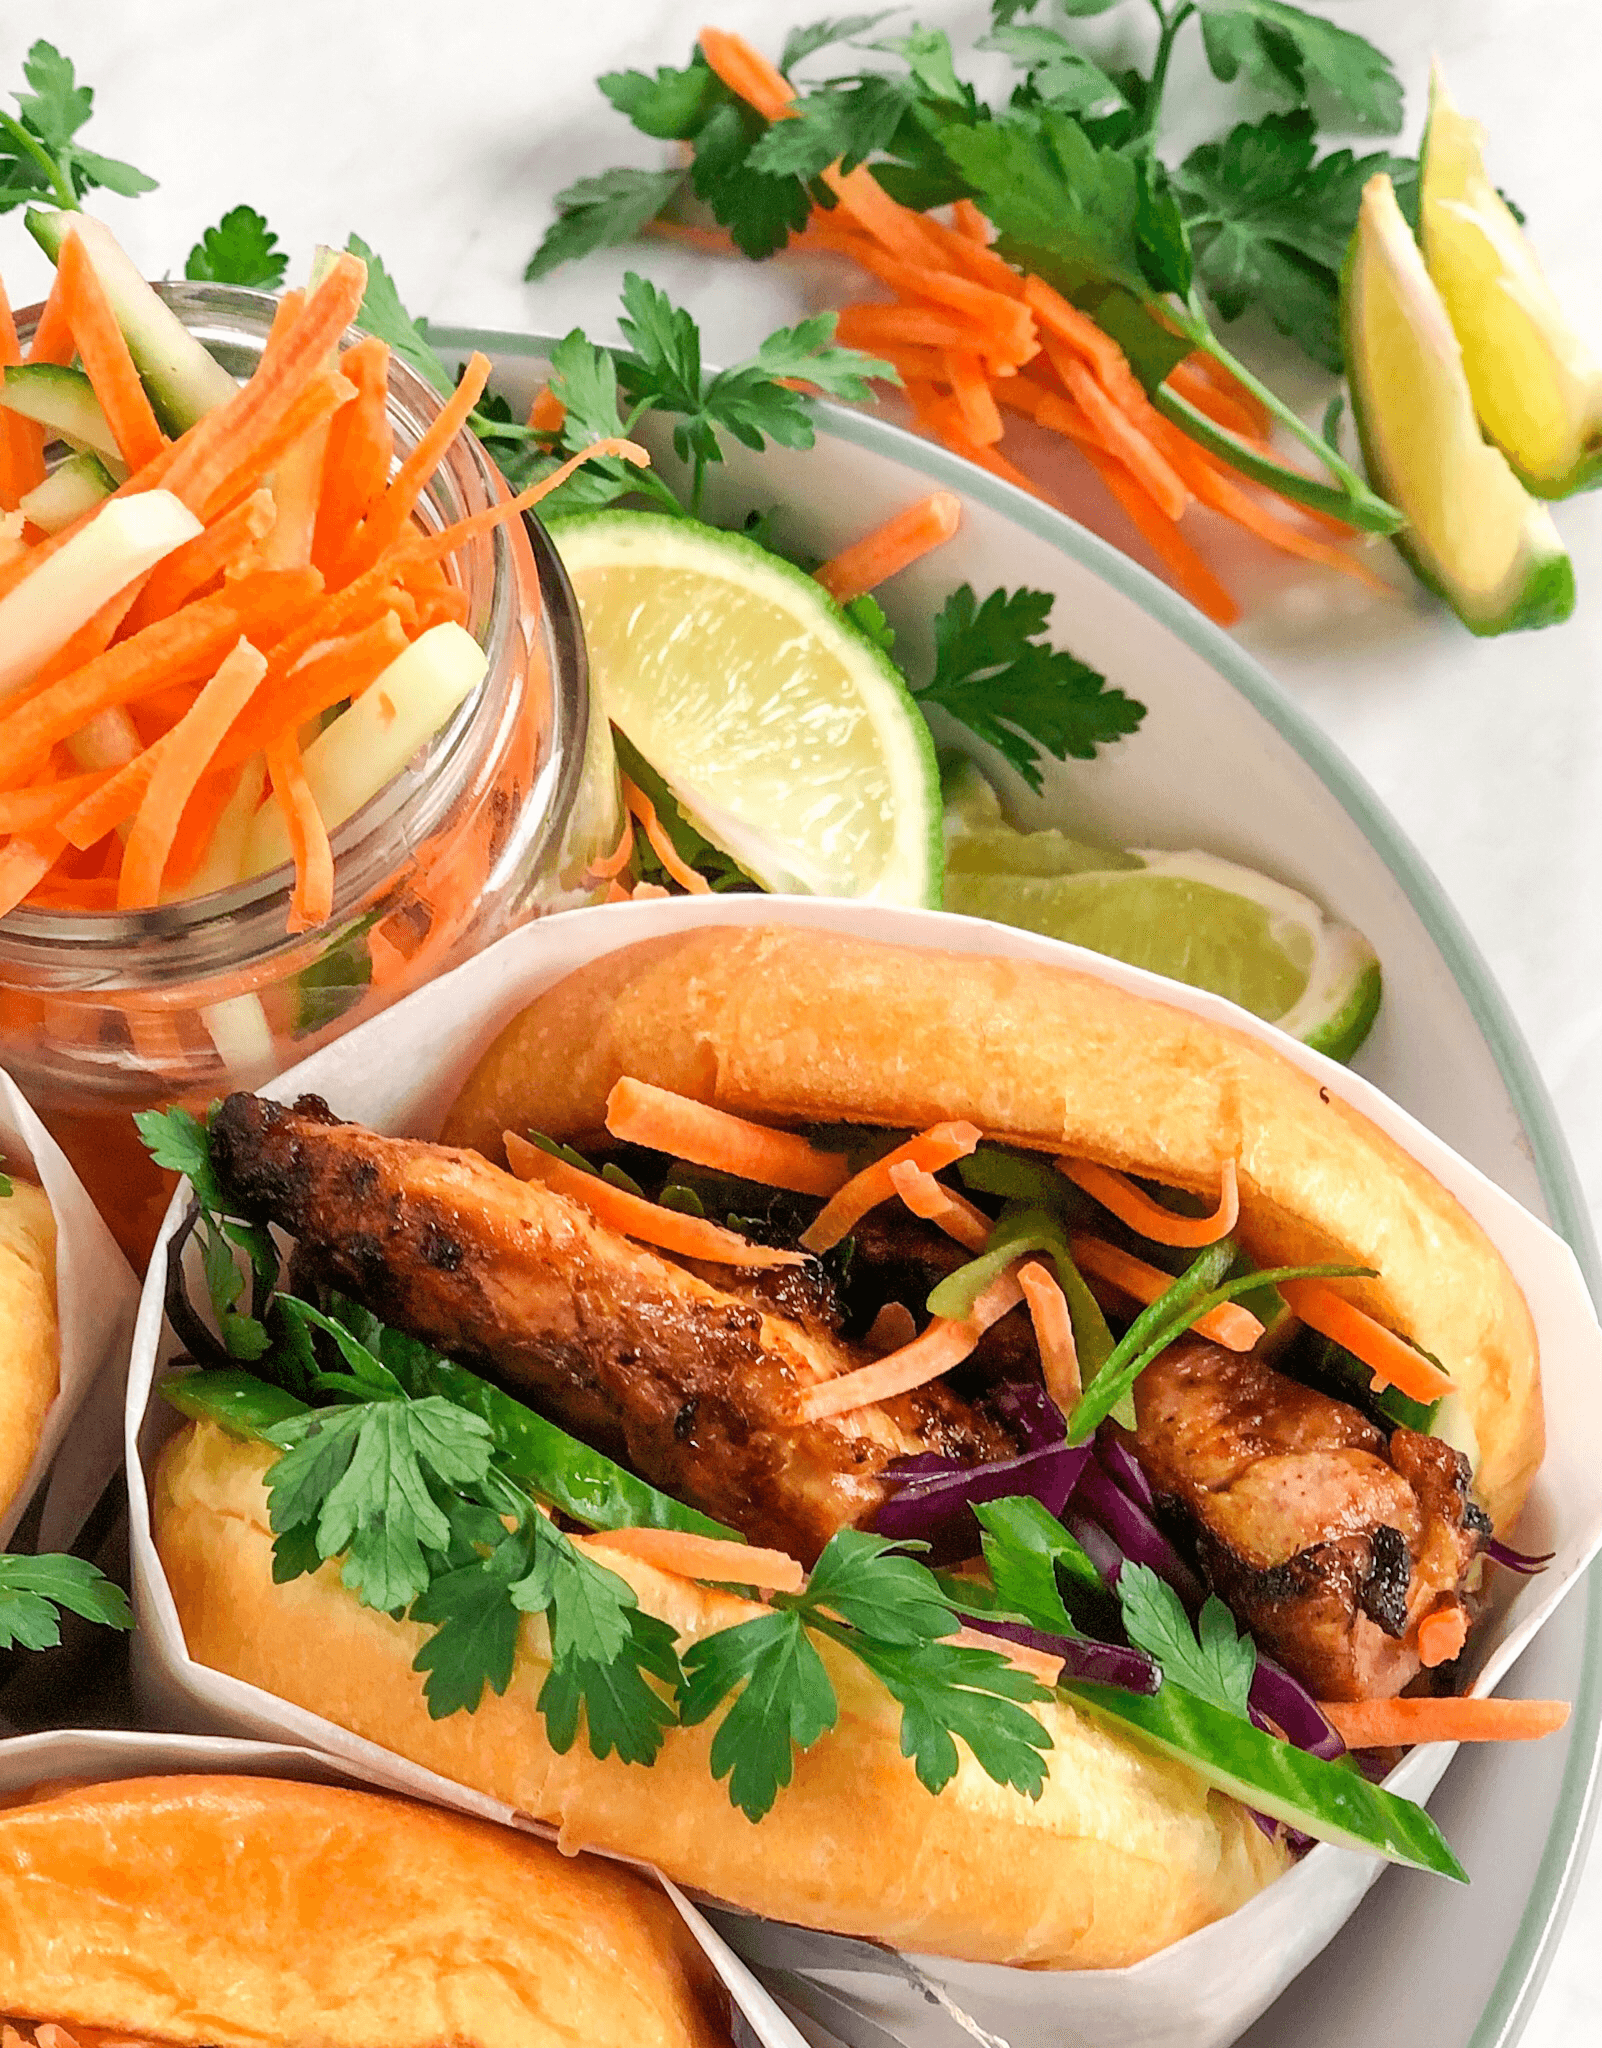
(1537,387)
(183,380)
(1474,533)
(367,746)
(72,488)
(64,403)
(124,539)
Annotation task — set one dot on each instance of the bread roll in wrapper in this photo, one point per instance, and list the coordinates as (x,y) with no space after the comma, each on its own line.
(78,1442)
(400,1074)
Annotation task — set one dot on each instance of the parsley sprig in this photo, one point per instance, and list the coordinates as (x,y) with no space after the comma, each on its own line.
(40,154)
(35,1590)
(240,249)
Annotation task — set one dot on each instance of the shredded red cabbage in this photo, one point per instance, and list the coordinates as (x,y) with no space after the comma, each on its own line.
(1135,1533)
(1520,1561)
(1082,1656)
(1029,1412)
(1124,1468)
(934,1494)
(1278,1698)
(1097,1545)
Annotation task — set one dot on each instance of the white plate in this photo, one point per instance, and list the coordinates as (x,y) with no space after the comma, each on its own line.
(1224,761)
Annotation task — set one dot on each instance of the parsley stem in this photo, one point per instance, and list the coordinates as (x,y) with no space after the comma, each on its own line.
(1354,502)
(60,184)
(1152,103)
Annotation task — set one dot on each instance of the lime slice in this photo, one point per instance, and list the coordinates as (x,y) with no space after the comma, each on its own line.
(1474,533)
(786,736)
(1537,387)
(980,841)
(1204,921)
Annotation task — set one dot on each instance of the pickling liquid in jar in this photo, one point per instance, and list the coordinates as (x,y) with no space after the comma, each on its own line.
(498,819)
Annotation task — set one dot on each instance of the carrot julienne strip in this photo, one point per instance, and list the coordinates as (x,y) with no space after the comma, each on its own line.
(638,1113)
(191,745)
(1442,1634)
(187,570)
(1003,318)
(1187,571)
(618,859)
(1393,1362)
(870,325)
(306,416)
(106,360)
(965,374)
(314,686)
(970,223)
(1398,1724)
(30,810)
(910,236)
(747,73)
(1221,407)
(437,545)
(1121,437)
(389,518)
(1130,1204)
(547,414)
(24,863)
(1064,319)
(361,446)
(1054,1333)
(640,806)
(942,1345)
(925,1197)
(940,1146)
(903,539)
(704,1557)
(22,441)
(311,901)
(1236,1328)
(52,338)
(670,1230)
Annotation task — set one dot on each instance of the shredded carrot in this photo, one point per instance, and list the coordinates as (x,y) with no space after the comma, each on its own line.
(1063,318)
(361,446)
(925,1197)
(52,337)
(450,538)
(311,901)
(1393,1362)
(1208,370)
(109,366)
(189,569)
(640,806)
(639,1114)
(943,1345)
(191,745)
(903,539)
(30,810)
(1121,437)
(303,420)
(910,236)
(618,859)
(1399,1724)
(1187,571)
(1131,1205)
(891,1329)
(392,514)
(1442,1634)
(972,259)
(970,223)
(747,73)
(871,325)
(547,414)
(940,1146)
(704,1557)
(212,794)
(1223,408)
(1004,321)
(1054,1332)
(671,1230)
(1236,1328)
(965,373)
(22,441)
(24,863)
(343,669)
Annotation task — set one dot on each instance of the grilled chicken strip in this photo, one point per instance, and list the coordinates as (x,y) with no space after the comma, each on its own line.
(693,1386)
(1329,1544)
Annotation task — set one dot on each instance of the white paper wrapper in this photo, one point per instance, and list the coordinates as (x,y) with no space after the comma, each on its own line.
(101,1756)
(400,1072)
(96,1297)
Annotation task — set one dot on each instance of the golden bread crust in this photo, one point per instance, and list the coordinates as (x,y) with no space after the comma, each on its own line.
(1125,1853)
(793,1025)
(245,1912)
(30,1363)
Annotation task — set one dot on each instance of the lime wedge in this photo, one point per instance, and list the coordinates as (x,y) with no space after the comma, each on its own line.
(787,737)
(980,841)
(1204,921)
(1537,387)
(1474,534)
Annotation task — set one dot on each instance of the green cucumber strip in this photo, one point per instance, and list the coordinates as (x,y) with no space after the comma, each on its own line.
(991,1170)
(72,488)
(63,401)
(243,1404)
(1331,1802)
(183,381)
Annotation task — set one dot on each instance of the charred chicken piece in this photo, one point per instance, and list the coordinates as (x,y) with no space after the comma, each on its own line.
(691,1384)
(1329,1544)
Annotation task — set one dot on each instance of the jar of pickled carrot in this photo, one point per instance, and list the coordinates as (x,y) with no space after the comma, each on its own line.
(499,818)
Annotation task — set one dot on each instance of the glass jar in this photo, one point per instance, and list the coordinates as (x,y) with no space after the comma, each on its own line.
(498,819)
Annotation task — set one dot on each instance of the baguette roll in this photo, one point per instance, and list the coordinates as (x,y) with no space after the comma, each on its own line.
(1124,1853)
(790,1025)
(254,1913)
(30,1367)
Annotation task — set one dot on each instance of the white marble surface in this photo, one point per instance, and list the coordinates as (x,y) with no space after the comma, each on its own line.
(440,136)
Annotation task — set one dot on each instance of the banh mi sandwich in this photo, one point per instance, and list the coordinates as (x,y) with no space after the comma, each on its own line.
(215,1912)
(920,1446)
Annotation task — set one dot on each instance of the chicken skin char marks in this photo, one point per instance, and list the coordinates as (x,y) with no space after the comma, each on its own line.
(1329,1543)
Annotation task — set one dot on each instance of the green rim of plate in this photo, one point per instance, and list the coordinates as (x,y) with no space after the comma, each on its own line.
(1551,1894)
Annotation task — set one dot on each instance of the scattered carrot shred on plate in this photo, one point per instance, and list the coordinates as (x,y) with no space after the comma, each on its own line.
(1401,1723)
